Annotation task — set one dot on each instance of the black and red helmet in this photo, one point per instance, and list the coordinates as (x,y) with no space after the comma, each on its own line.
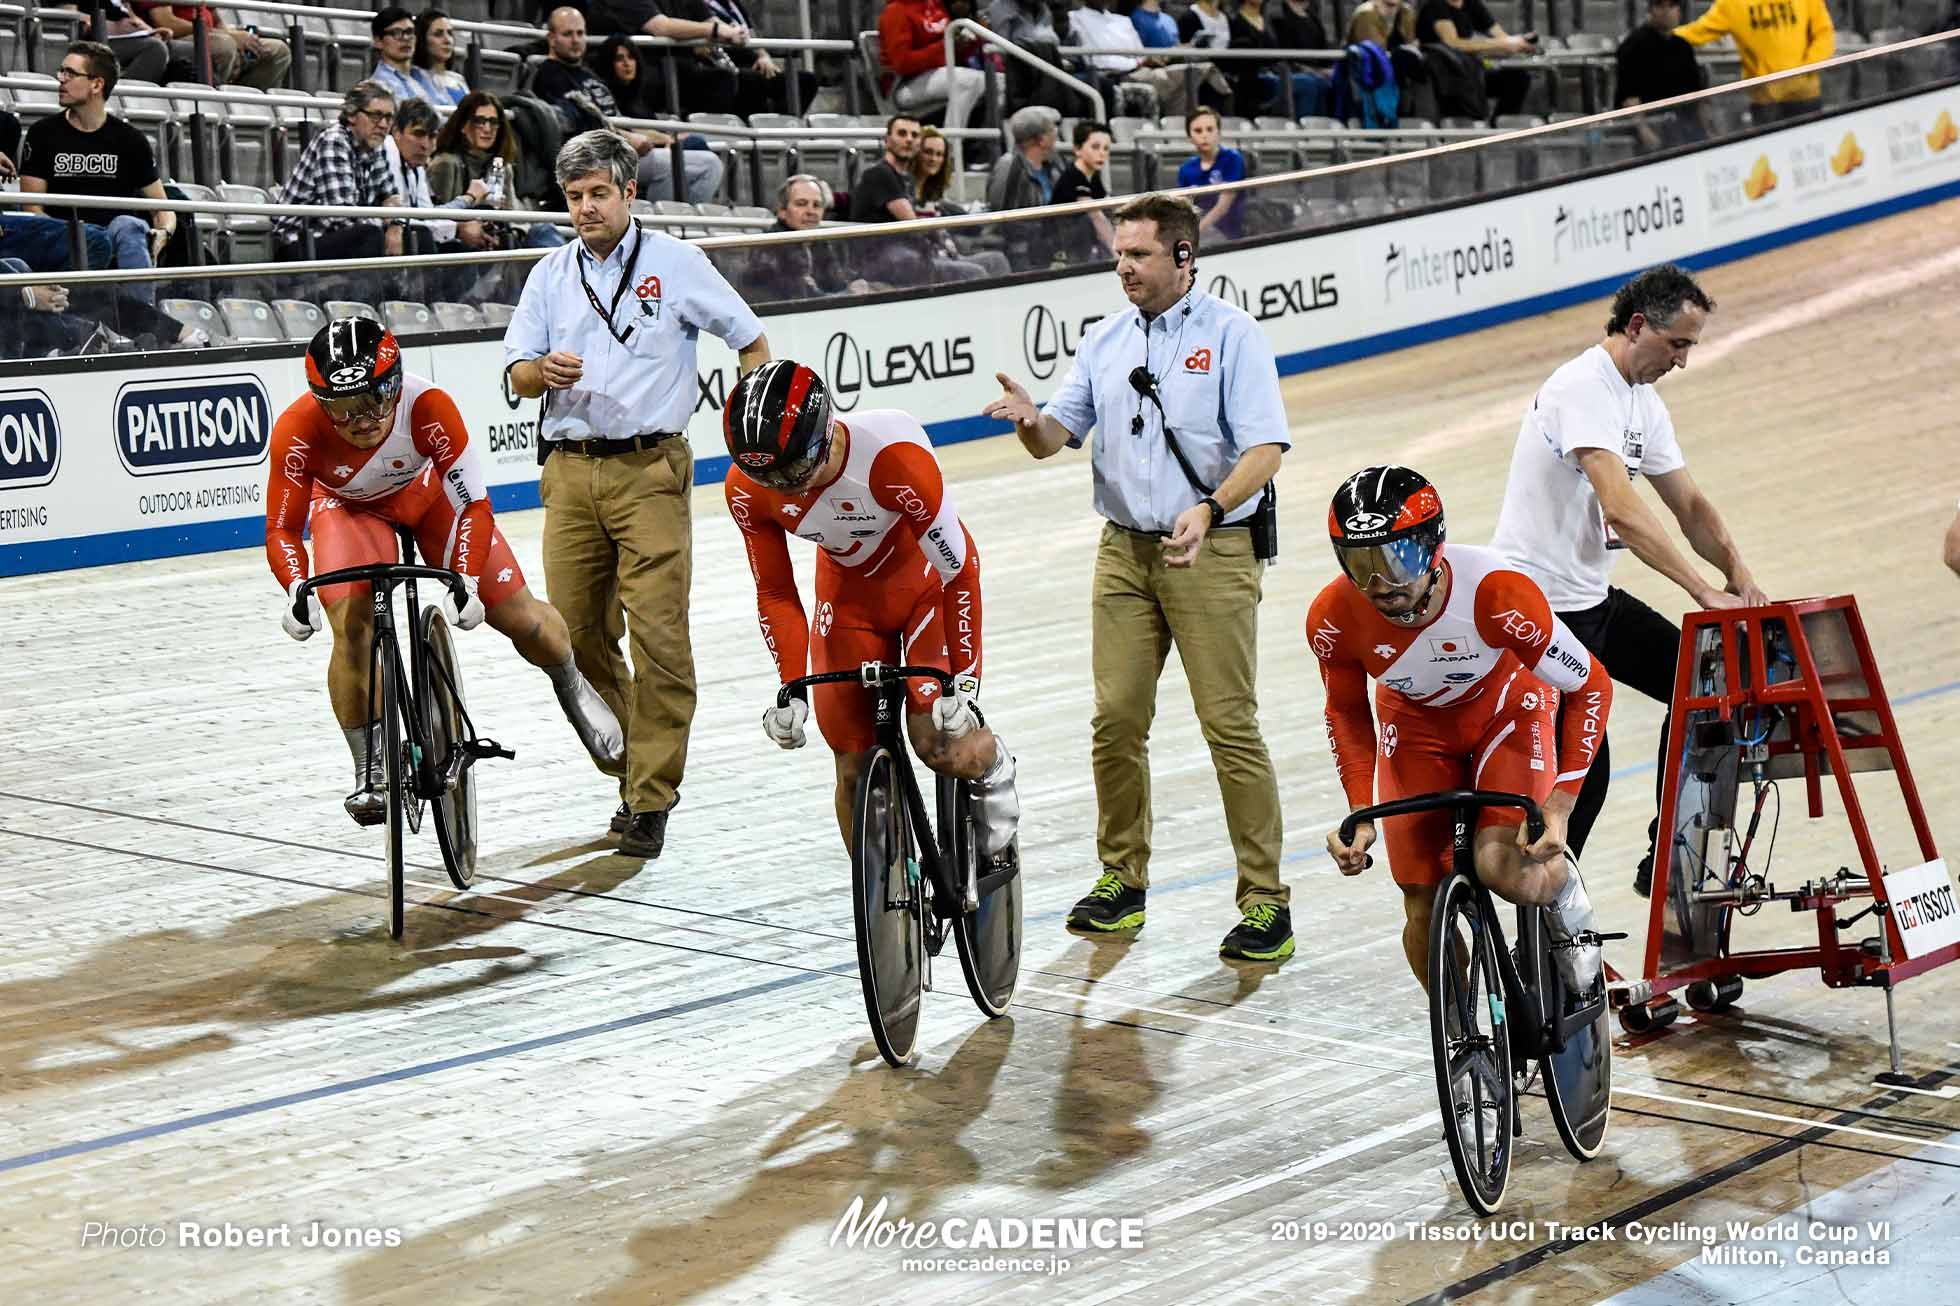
(777,424)
(1386,522)
(354,368)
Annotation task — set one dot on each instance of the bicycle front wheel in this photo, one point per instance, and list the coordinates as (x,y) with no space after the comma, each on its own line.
(989,937)
(887,900)
(1579,1076)
(1472,1042)
(388,672)
(441,695)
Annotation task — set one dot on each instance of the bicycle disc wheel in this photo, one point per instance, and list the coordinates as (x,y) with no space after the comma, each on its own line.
(1579,1076)
(398,784)
(1473,1063)
(442,710)
(989,937)
(886,900)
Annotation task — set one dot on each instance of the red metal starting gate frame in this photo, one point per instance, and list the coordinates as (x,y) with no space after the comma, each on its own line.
(1831,716)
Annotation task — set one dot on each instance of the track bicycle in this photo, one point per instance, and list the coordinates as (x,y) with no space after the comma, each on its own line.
(429,745)
(1495,1009)
(914,881)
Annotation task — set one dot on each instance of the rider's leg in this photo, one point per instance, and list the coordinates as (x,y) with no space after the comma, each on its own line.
(850,769)
(539,634)
(968,758)
(1417,902)
(1503,867)
(352,620)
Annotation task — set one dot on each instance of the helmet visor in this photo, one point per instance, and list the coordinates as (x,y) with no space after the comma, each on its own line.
(1399,563)
(792,472)
(345,410)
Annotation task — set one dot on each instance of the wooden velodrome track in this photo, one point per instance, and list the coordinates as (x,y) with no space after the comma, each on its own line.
(597,1080)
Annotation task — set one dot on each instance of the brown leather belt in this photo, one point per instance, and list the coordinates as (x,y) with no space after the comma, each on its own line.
(609,448)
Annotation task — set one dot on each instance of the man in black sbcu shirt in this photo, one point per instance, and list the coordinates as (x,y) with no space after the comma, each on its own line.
(1654,64)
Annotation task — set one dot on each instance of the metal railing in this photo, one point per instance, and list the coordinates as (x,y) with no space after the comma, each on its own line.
(993,92)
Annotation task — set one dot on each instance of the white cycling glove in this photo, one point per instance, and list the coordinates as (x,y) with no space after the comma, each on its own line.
(784,725)
(953,714)
(316,617)
(470,615)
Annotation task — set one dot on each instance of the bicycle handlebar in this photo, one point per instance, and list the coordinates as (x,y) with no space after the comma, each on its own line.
(383,572)
(1534,820)
(872,675)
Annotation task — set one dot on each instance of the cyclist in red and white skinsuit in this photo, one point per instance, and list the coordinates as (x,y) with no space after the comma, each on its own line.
(897,575)
(1472,672)
(371,447)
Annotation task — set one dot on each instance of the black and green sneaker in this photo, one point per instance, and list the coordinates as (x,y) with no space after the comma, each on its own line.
(1266,934)
(1111,905)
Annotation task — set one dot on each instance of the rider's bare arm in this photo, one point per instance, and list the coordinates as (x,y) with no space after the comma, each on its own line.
(779,608)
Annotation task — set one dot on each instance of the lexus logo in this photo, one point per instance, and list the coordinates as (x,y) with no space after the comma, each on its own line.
(1223,287)
(843,366)
(1041,342)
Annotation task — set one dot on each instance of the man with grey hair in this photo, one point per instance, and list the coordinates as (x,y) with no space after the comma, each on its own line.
(604,333)
(345,165)
(791,270)
(1024,177)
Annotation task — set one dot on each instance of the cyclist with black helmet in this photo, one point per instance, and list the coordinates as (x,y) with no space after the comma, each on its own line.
(1478,686)
(369,448)
(896,569)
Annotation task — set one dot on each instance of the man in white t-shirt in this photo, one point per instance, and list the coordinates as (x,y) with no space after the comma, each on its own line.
(1570,505)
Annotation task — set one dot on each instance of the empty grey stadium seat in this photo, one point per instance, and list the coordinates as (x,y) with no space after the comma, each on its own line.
(247,237)
(250,321)
(457,317)
(299,318)
(350,308)
(497,315)
(197,313)
(405,317)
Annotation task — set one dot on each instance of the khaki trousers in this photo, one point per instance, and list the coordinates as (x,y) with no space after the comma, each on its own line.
(1210,611)
(618,560)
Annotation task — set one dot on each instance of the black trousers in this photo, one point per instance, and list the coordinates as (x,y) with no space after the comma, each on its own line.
(1638,647)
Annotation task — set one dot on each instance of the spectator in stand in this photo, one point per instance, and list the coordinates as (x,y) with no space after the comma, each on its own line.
(912,48)
(477,135)
(239,56)
(1213,164)
(1391,24)
(794,270)
(764,83)
(637,88)
(1155,28)
(1259,85)
(394,48)
(932,175)
(709,79)
(1082,180)
(1655,64)
(1204,24)
(1467,28)
(1772,39)
(344,165)
(1092,24)
(436,58)
(1024,177)
(584,103)
(884,194)
(408,150)
(144,53)
(1027,24)
(86,150)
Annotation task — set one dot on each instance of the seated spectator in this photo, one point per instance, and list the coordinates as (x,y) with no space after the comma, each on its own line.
(1145,87)
(1093,238)
(1212,165)
(764,81)
(344,165)
(437,57)
(795,270)
(1028,25)
(637,89)
(37,322)
(86,150)
(912,50)
(1155,28)
(1024,177)
(144,53)
(1772,39)
(238,57)
(408,150)
(1391,24)
(884,194)
(1258,85)
(1205,25)
(1468,29)
(477,135)
(1655,64)
(1296,25)
(932,175)
(394,49)
(709,80)
(583,102)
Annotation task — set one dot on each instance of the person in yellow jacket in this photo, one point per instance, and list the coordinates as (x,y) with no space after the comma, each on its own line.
(1772,36)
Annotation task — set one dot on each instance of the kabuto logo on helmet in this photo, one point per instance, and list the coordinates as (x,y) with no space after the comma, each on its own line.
(1362,522)
(347,376)
(755,459)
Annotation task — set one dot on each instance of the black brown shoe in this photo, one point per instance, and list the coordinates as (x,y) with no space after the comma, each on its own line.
(621,819)
(645,835)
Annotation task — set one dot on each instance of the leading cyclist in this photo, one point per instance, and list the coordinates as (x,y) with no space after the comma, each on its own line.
(897,576)
(371,447)
(1471,666)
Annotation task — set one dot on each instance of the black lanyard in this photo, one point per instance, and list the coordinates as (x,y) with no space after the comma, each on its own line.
(625,279)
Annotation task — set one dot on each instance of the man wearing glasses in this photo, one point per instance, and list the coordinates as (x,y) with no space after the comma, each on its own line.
(394,69)
(344,165)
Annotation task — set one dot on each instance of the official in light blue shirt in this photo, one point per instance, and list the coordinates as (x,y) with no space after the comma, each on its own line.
(605,332)
(1176,563)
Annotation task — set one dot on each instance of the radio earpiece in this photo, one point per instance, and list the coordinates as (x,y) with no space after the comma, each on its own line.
(1181,253)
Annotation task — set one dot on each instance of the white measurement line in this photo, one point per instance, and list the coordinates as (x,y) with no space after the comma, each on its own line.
(1345,1044)
(1319,1161)
(1619,1089)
